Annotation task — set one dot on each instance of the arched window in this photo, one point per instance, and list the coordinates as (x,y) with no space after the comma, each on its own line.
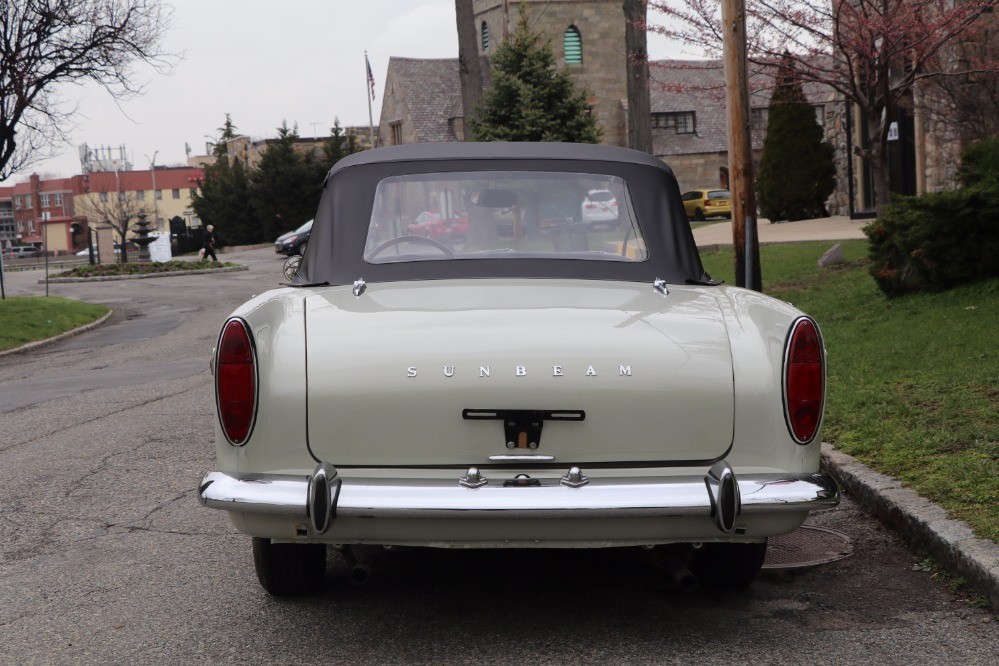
(485,37)
(573,43)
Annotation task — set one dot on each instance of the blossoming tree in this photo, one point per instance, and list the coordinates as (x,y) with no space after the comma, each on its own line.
(872,52)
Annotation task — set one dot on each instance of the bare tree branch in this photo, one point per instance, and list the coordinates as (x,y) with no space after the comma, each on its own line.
(46,43)
(115,208)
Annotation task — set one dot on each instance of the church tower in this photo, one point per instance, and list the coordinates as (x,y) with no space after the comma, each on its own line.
(587,38)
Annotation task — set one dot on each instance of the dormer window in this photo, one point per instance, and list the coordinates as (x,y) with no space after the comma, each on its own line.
(683,122)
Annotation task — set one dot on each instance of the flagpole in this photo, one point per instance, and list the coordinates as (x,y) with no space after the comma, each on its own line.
(370,92)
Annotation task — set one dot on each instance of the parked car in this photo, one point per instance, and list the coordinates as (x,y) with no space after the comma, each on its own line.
(600,209)
(532,392)
(702,204)
(432,225)
(131,249)
(294,242)
(22,252)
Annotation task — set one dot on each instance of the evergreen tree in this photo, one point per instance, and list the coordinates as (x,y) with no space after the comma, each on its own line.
(286,186)
(338,145)
(223,196)
(797,173)
(530,99)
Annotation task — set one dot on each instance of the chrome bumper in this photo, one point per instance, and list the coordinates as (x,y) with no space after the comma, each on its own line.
(325,496)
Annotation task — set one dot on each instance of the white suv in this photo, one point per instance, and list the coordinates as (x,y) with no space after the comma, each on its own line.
(600,209)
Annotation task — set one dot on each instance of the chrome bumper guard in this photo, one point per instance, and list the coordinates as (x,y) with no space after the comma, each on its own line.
(326,496)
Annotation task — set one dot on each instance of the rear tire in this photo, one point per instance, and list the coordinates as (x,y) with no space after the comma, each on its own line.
(729,565)
(698,214)
(286,569)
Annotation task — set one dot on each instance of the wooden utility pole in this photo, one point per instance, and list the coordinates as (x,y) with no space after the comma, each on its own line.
(639,104)
(740,147)
(469,66)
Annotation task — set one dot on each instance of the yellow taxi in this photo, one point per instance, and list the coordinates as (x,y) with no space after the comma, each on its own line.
(702,204)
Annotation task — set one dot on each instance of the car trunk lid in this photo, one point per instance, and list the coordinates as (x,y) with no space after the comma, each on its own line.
(432,373)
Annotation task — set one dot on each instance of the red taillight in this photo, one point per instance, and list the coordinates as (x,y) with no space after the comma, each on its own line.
(804,381)
(236,382)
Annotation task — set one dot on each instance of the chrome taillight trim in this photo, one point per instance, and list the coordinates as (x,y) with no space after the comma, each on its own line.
(256,379)
(783,381)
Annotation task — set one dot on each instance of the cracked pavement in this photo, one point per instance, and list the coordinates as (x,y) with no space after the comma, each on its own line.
(106,556)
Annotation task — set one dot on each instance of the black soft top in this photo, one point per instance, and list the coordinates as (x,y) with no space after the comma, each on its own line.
(340,230)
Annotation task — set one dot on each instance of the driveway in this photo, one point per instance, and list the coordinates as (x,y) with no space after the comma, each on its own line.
(837,227)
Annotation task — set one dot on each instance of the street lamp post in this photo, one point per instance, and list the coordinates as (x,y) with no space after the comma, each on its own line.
(152,169)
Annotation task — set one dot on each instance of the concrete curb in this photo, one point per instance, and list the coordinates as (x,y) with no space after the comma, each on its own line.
(143,276)
(921,523)
(62,336)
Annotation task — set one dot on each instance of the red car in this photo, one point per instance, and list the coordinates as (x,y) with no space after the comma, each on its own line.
(431,225)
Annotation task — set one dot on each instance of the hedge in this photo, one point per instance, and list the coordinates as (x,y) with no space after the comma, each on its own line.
(936,241)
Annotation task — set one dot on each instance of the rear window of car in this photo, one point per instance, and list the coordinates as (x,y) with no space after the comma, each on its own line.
(690,196)
(718,194)
(499,215)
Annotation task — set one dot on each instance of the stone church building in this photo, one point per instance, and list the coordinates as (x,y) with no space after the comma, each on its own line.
(422,103)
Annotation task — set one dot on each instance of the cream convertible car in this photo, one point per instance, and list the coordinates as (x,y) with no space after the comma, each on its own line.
(537,383)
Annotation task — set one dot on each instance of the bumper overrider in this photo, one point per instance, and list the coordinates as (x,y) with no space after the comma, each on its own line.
(325,496)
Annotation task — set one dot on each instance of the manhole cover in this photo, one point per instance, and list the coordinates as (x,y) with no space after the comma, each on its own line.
(808,546)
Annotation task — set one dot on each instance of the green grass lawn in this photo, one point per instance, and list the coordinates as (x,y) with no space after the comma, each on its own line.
(913,382)
(24,320)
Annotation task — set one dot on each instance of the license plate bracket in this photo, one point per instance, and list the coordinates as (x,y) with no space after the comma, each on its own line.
(522,427)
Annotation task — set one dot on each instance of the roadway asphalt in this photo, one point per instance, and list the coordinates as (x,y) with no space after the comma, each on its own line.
(922,524)
(106,557)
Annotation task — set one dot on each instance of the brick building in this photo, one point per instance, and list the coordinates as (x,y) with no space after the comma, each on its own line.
(162,193)
(8,233)
(55,213)
(44,212)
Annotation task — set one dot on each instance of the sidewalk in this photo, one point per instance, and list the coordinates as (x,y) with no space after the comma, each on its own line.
(838,227)
(923,525)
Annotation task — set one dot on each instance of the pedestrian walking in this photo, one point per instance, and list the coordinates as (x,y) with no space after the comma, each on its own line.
(209,250)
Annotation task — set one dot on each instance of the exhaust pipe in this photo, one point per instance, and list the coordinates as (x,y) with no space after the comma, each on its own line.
(680,574)
(359,572)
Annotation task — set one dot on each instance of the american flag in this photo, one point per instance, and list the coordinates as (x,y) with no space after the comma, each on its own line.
(371,77)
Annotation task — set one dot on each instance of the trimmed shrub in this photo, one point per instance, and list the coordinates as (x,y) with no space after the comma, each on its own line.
(797,173)
(980,163)
(936,241)
(114,270)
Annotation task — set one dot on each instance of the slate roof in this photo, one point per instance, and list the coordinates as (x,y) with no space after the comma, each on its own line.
(699,86)
(431,90)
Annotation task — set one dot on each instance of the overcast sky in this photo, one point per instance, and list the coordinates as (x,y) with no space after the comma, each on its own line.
(262,62)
